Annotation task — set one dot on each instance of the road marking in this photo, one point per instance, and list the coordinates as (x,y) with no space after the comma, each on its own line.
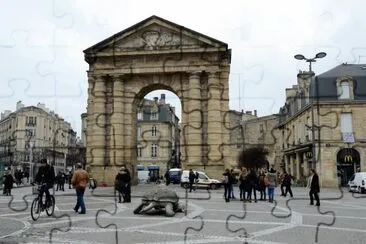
(26,224)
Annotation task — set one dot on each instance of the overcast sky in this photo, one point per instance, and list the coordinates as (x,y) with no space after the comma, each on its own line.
(41,44)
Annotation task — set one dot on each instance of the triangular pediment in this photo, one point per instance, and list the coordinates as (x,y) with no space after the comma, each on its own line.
(155,34)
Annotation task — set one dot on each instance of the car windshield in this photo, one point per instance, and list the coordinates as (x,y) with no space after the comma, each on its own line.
(174,173)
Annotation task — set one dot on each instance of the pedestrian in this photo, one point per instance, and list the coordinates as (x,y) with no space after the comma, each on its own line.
(252,185)
(262,186)
(123,184)
(287,183)
(191,178)
(227,181)
(243,183)
(62,180)
(167,177)
(80,180)
(271,182)
(281,179)
(232,185)
(8,183)
(70,177)
(57,180)
(313,185)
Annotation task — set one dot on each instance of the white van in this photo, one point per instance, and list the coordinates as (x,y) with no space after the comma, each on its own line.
(203,180)
(357,183)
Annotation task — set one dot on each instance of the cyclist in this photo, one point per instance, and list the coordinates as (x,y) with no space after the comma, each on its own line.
(46,177)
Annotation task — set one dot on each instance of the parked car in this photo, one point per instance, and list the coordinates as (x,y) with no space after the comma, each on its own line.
(357,182)
(204,181)
(175,175)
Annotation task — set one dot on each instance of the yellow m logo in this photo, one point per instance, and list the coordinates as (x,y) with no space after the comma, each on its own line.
(348,158)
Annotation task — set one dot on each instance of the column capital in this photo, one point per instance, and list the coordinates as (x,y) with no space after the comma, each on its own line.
(195,74)
(214,75)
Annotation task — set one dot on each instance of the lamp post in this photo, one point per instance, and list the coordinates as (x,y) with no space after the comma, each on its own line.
(310,61)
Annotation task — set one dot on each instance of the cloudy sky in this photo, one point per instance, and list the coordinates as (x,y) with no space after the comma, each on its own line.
(41,44)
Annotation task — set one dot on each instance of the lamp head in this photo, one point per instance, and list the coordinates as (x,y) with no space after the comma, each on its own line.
(299,57)
(320,55)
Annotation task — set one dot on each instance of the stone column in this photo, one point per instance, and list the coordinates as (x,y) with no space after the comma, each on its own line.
(225,118)
(214,128)
(97,122)
(306,164)
(298,160)
(117,119)
(90,118)
(287,163)
(194,120)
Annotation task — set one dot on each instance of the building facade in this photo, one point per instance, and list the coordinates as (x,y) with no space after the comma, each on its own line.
(322,124)
(34,132)
(249,130)
(158,136)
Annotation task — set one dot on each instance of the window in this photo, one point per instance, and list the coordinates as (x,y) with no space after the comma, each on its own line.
(154,116)
(154,150)
(139,151)
(344,90)
(346,127)
(139,115)
(153,130)
(260,127)
(139,131)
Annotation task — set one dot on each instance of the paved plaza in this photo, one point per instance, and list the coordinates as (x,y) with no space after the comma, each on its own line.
(206,221)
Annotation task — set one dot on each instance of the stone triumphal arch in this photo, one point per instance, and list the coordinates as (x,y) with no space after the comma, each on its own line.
(157,54)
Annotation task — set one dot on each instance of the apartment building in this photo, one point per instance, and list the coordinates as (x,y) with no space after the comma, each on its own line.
(158,136)
(249,130)
(31,133)
(322,124)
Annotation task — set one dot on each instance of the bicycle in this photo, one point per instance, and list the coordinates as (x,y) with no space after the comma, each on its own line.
(39,205)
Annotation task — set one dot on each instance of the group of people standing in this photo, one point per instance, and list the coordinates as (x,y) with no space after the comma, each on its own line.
(265,182)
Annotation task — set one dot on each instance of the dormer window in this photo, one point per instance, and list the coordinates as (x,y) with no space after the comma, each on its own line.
(345,88)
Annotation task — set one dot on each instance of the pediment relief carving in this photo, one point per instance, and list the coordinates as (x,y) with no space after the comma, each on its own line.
(155,37)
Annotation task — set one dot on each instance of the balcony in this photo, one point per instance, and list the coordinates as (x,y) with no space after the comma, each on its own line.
(348,137)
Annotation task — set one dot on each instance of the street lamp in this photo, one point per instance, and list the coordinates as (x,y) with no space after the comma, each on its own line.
(311,60)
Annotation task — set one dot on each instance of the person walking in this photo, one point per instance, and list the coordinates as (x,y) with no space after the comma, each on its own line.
(8,183)
(191,178)
(228,181)
(80,180)
(287,183)
(70,177)
(123,184)
(313,185)
(271,182)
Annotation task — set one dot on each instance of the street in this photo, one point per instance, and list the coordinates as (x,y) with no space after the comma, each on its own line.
(217,221)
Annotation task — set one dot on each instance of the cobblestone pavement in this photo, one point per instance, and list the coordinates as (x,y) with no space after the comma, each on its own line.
(262,223)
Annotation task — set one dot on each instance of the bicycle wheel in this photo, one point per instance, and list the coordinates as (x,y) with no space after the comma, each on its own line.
(51,208)
(35,209)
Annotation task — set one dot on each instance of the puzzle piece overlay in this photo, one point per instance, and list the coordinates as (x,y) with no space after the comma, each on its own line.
(113,92)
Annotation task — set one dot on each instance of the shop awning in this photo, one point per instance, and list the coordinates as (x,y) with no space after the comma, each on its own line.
(140,167)
(153,167)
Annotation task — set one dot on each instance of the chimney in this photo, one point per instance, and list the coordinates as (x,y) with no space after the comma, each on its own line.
(162,98)
(255,113)
(19,105)
(156,99)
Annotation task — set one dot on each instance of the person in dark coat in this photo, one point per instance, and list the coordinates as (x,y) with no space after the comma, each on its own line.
(167,177)
(8,183)
(191,178)
(123,184)
(314,188)
(70,177)
(287,183)
(228,181)
(252,185)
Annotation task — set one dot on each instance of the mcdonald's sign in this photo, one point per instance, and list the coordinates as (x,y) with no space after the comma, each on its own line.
(348,159)
(309,154)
